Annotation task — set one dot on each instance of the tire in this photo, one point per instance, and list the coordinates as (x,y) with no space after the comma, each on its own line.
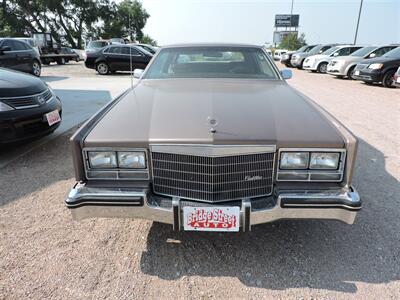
(388,79)
(61,61)
(350,73)
(102,68)
(77,59)
(36,68)
(322,67)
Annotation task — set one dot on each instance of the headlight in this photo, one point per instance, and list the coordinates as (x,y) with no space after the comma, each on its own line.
(294,160)
(132,160)
(5,107)
(375,66)
(102,160)
(324,160)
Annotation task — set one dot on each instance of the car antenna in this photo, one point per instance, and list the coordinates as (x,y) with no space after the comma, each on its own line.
(130,49)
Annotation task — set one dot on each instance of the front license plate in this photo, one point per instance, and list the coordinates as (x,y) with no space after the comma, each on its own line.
(357,73)
(53,117)
(211,218)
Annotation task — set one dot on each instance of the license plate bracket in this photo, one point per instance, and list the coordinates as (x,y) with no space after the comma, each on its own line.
(52,117)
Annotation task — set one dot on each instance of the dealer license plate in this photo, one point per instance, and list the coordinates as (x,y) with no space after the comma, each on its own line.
(53,117)
(357,72)
(211,218)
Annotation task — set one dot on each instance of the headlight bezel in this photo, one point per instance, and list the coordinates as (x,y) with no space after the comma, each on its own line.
(312,174)
(5,107)
(118,172)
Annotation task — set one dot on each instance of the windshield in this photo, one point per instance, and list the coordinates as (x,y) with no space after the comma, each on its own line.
(363,51)
(97,44)
(211,62)
(315,50)
(147,48)
(302,49)
(395,53)
(330,51)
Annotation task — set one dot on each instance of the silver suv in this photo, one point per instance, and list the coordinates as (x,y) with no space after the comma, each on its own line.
(298,58)
(345,65)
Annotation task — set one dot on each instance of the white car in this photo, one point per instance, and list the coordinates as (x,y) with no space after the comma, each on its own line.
(278,54)
(319,63)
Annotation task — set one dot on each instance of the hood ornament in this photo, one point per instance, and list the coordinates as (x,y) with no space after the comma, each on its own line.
(213,124)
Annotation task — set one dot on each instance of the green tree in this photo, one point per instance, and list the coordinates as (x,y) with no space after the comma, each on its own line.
(72,21)
(146,39)
(292,42)
(126,20)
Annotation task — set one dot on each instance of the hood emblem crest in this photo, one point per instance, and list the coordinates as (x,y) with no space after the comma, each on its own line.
(213,123)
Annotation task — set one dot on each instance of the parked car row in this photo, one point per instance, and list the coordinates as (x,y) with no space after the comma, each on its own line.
(371,64)
(94,46)
(23,54)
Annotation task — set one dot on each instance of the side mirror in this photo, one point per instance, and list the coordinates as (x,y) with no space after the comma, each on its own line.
(372,55)
(335,54)
(137,73)
(286,73)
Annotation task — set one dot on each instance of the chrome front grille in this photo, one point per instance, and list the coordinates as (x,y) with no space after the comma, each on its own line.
(212,178)
(30,101)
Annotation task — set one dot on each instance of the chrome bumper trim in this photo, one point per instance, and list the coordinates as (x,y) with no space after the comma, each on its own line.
(87,202)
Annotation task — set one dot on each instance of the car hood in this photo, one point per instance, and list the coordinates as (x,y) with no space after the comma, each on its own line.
(348,58)
(246,112)
(318,57)
(379,60)
(15,84)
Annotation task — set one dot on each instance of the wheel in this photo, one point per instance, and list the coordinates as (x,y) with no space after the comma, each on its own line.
(388,78)
(36,68)
(61,61)
(102,68)
(322,67)
(77,59)
(350,73)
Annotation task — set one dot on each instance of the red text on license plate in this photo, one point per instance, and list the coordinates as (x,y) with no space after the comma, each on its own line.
(211,218)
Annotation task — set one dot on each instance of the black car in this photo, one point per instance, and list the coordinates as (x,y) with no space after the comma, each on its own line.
(288,56)
(28,107)
(117,58)
(19,56)
(379,70)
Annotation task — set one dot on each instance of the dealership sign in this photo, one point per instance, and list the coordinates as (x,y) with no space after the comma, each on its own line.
(287,20)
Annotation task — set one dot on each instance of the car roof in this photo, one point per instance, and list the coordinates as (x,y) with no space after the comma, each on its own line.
(212,45)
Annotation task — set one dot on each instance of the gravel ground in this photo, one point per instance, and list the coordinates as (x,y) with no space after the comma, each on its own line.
(44,254)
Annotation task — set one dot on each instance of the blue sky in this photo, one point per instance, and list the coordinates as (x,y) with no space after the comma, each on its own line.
(241,21)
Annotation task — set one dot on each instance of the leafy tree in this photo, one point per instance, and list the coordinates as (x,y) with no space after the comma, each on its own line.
(146,39)
(292,42)
(127,20)
(72,21)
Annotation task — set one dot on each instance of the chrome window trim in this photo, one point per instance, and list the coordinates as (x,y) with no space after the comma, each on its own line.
(117,170)
(212,150)
(310,172)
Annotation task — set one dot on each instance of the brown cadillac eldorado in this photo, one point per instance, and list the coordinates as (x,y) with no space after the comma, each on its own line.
(212,138)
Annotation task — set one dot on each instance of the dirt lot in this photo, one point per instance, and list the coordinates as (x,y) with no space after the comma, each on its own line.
(44,254)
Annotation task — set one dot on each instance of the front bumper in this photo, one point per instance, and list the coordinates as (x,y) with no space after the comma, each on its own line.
(338,204)
(296,62)
(310,65)
(368,75)
(336,70)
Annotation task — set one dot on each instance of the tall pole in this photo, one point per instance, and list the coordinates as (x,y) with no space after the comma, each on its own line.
(358,22)
(291,9)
